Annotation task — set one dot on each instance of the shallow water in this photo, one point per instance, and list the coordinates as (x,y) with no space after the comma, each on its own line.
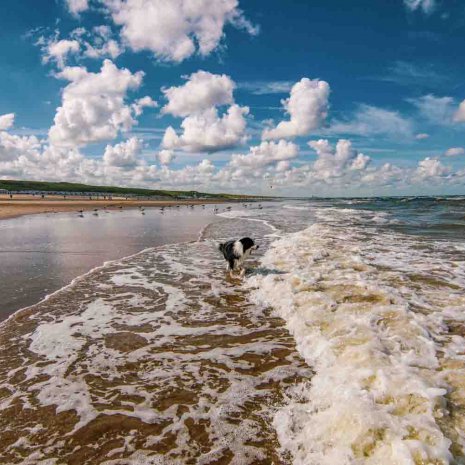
(40,254)
(344,344)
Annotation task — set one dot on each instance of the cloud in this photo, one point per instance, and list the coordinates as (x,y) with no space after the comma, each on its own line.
(123,154)
(202,91)
(334,162)
(413,74)
(266,87)
(265,154)
(7,121)
(421,136)
(93,105)
(141,103)
(374,121)
(307,107)
(426,6)
(454,151)
(431,168)
(12,147)
(165,157)
(58,51)
(459,115)
(176,29)
(336,168)
(100,43)
(388,175)
(436,110)
(207,131)
(203,128)
(77,6)
(95,44)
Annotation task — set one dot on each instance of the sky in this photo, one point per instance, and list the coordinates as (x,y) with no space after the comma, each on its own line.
(295,97)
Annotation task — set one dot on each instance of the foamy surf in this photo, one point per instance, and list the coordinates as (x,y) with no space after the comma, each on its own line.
(379,317)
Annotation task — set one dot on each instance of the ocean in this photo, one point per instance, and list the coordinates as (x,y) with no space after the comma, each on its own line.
(344,344)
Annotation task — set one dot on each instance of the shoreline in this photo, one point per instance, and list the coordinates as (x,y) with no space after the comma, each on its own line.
(75,280)
(82,248)
(13,208)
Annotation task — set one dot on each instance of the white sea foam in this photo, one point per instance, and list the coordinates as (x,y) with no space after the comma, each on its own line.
(295,207)
(368,312)
(250,216)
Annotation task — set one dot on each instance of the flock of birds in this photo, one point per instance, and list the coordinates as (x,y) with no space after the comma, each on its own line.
(163,209)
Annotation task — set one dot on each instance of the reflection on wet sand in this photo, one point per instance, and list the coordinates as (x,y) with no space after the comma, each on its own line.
(41,254)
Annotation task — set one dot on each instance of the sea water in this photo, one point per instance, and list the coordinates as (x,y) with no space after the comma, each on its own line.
(343,344)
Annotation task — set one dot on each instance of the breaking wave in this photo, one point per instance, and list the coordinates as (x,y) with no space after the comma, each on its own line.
(380,318)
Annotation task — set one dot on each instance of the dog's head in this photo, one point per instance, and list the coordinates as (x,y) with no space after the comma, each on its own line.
(248,244)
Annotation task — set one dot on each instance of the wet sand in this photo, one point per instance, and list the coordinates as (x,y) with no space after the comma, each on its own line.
(26,205)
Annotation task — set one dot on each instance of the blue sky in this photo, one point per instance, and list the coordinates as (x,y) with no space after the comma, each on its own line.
(386,76)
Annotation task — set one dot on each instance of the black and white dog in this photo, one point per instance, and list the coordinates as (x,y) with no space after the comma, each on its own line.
(235,253)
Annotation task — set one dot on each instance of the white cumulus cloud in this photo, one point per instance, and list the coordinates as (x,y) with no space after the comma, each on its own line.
(165,157)
(454,151)
(307,107)
(204,128)
(100,43)
(13,147)
(176,29)
(77,6)
(202,91)
(431,168)
(334,162)
(265,154)
(123,154)
(93,105)
(207,131)
(459,116)
(7,121)
(58,50)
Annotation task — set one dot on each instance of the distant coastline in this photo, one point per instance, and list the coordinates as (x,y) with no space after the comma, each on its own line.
(18,198)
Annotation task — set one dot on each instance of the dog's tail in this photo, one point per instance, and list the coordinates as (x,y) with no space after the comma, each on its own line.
(221,247)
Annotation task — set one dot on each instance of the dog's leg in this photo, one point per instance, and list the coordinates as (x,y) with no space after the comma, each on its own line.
(242,273)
